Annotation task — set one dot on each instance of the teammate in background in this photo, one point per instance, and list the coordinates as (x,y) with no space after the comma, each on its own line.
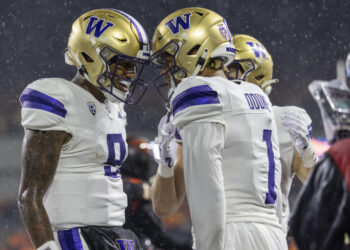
(138,172)
(71,194)
(229,147)
(253,63)
(321,215)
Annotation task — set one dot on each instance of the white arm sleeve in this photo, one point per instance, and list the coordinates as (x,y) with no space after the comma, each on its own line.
(203,143)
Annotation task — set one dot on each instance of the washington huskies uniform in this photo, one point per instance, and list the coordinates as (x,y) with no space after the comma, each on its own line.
(86,189)
(231,163)
(286,157)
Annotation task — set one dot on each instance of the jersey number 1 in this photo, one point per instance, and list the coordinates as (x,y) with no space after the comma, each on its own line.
(271,194)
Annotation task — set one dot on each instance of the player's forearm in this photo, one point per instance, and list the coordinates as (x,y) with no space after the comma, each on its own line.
(300,169)
(35,219)
(164,197)
(40,154)
(303,173)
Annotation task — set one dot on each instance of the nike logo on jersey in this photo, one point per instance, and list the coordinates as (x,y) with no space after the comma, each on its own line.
(256,101)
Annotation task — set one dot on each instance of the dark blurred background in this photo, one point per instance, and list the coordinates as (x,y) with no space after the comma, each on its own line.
(305,39)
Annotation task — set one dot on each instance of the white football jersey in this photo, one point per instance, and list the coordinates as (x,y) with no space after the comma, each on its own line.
(86,189)
(249,156)
(286,157)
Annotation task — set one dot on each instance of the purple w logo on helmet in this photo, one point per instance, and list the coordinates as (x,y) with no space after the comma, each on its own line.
(97,26)
(185,24)
(258,49)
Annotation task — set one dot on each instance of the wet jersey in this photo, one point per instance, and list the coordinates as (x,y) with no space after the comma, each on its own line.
(230,145)
(86,189)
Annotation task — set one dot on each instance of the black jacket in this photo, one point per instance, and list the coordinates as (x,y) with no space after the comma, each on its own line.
(321,216)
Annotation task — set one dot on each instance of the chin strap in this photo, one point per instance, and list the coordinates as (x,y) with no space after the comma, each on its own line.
(200,62)
(172,88)
(266,86)
(81,68)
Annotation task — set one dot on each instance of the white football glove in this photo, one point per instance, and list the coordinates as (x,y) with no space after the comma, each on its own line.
(49,245)
(298,124)
(167,148)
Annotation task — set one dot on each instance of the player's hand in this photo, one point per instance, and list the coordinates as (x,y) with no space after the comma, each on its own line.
(297,124)
(164,139)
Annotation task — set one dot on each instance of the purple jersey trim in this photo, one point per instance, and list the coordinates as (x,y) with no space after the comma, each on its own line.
(110,173)
(199,95)
(309,128)
(31,98)
(70,239)
(271,195)
(177,135)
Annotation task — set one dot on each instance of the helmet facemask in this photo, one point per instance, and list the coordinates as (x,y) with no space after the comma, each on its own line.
(165,58)
(237,64)
(136,87)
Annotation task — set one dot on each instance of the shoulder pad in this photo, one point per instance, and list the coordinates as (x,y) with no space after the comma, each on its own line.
(195,99)
(43,104)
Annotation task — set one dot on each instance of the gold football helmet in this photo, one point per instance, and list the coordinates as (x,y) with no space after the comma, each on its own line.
(192,38)
(254,60)
(102,37)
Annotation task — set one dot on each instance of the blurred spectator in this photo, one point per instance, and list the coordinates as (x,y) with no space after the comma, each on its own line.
(18,241)
(12,234)
(321,218)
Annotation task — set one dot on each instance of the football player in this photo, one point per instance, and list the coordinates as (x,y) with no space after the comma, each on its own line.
(253,63)
(229,151)
(71,194)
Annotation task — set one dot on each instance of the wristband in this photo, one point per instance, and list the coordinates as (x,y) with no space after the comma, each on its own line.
(165,171)
(309,157)
(49,245)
